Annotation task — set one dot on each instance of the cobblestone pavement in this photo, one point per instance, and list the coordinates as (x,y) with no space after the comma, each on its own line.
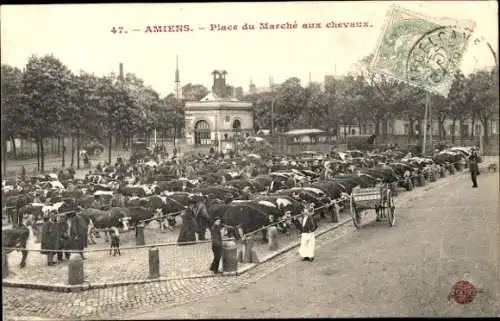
(364,253)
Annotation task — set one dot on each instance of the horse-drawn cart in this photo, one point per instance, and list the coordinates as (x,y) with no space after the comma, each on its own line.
(378,199)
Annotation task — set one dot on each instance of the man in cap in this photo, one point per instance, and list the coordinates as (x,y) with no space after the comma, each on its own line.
(474,167)
(216,233)
(50,239)
(77,228)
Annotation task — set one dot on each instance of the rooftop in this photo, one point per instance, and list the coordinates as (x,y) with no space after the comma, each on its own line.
(297,132)
(211,96)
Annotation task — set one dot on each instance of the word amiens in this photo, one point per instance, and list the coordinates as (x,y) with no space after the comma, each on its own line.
(288,25)
(153,29)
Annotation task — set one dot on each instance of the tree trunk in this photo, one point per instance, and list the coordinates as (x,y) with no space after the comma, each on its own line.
(411,131)
(14,150)
(377,128)
(42,156)
(61,149)
(472,132)
(4,152)
(72,151)
(461,125)
(38,153)
(453,129)
(486,137)
(442,131)
(110,144)
(78,150)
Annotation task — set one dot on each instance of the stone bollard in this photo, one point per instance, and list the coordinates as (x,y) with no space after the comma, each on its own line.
(334,212)
(272,238)
(229,257)
(154,263)
(5,264)
(139,235)
(75,272)
(247,250)
(421,180)
(443,172)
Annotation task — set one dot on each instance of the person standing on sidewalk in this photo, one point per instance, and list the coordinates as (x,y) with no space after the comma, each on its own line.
(50,239)
(216,235)
(473,166)
(308,239)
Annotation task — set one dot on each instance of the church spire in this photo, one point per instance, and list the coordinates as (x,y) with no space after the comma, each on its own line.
(177,78)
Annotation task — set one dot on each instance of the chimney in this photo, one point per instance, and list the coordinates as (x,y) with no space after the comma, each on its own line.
(121,71)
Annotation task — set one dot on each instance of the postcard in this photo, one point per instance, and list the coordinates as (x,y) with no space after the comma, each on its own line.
(248,160)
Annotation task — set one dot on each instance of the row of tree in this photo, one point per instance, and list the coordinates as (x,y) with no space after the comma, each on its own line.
(46,99)
(367,99)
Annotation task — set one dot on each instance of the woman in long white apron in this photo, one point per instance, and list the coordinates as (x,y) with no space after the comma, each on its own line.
(308,239)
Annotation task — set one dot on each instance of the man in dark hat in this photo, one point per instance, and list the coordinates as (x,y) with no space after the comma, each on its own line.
(473,166)
(64,238)
(77,228)
(216,233)
(50,238)
(202,218)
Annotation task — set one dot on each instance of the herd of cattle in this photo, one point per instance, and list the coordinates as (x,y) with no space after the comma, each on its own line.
(278,190)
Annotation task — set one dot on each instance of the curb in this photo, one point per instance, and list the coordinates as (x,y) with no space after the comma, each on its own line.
(287,248)
(244,269)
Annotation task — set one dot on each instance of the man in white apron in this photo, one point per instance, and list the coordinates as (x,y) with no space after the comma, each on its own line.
(308,239)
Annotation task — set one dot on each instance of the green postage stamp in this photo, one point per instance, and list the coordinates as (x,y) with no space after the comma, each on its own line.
(422,51)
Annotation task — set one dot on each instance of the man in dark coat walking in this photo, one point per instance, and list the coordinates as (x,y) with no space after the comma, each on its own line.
(216,233)
(474,167)
(50,239)
(77,233)
(64,240)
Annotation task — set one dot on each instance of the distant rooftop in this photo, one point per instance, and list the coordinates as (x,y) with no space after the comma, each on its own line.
(296,132)
(220,71)
(211,96)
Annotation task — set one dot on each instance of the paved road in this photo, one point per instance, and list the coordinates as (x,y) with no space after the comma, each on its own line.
(408,270)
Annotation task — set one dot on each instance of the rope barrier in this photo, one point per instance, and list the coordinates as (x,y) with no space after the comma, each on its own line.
(121,248)
(333,202)
(169,215)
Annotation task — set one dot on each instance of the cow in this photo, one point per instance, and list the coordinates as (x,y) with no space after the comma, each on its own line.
(17,237)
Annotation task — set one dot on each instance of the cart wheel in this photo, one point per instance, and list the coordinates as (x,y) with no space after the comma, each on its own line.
(356,214)
(390,209)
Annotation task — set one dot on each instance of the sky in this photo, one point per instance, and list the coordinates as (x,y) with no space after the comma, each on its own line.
(80,36)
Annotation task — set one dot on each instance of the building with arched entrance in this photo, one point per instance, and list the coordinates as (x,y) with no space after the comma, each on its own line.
(218,118)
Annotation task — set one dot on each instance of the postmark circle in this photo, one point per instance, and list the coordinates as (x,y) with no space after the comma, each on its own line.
(435,56)
(463,292)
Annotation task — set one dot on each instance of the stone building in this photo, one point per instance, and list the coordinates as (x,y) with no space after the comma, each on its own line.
(218,117)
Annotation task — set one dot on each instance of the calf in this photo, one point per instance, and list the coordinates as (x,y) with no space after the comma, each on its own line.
(115,242)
